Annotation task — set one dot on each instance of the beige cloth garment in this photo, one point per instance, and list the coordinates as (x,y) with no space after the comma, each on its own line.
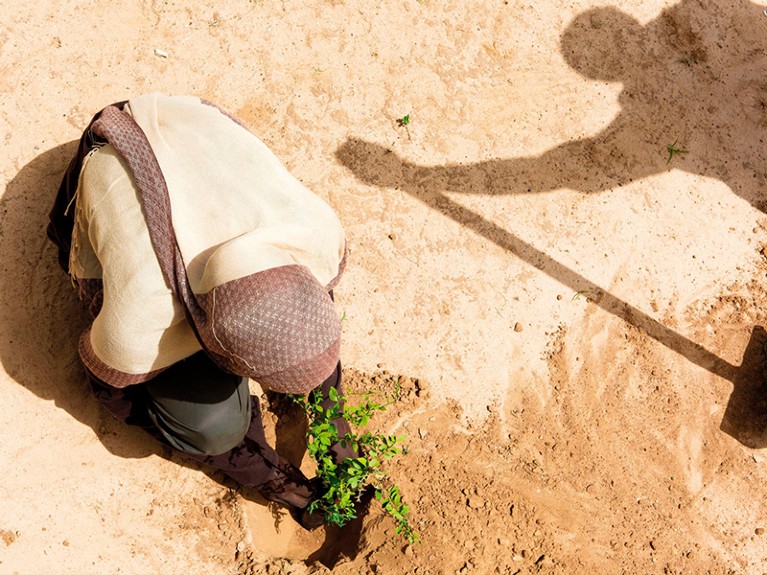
(236,211)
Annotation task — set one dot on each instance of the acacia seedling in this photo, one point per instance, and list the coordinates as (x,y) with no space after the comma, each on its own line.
(344,482)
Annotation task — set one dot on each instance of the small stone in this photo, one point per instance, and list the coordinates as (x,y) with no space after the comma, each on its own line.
(517,327)
(8,537)
(422,433)
(559,297)
(759,531)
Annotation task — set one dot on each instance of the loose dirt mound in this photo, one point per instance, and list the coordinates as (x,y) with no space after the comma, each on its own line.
(572,486)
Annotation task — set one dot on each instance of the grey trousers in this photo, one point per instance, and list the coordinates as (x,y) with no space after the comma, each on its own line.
(198,408)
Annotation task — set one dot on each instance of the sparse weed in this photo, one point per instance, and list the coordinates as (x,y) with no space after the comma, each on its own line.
(404,122)
(672,150)
(578,294)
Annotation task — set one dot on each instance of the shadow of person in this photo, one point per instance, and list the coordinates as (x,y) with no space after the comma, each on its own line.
(40,316)
(695,78)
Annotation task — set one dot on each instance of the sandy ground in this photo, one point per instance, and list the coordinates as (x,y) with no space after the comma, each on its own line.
(583,309)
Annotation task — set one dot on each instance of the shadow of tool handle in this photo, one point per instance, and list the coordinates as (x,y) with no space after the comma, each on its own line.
(746,414)
(745,417)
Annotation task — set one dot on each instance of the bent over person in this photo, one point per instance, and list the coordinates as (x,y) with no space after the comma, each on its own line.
(204,263)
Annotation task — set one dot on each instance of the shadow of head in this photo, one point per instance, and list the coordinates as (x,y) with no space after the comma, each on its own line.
(40,316)
(608,44)
(603,44)
(375,164)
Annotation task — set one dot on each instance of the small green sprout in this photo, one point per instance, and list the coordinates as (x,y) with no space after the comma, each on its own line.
(578,294)
(672,149)
(403,122)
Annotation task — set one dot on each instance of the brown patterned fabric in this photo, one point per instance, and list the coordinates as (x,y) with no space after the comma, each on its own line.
(260,324)
(277,326)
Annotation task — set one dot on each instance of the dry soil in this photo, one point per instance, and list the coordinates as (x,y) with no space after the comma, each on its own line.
(561,255)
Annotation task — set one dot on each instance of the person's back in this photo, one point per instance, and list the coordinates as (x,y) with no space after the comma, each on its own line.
(205,263)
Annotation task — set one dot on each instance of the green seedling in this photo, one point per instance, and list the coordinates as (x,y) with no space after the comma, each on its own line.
(672,150)
(403,122)
(345,482)
(578,294)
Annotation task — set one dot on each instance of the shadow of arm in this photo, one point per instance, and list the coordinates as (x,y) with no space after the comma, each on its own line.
(574,165)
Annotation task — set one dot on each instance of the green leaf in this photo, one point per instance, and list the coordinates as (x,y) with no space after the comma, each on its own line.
(343,482)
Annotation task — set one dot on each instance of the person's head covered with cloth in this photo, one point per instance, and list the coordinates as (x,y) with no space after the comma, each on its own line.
(189,234)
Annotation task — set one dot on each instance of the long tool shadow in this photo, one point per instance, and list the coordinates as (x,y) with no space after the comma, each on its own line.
(744,419)
(679,78)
